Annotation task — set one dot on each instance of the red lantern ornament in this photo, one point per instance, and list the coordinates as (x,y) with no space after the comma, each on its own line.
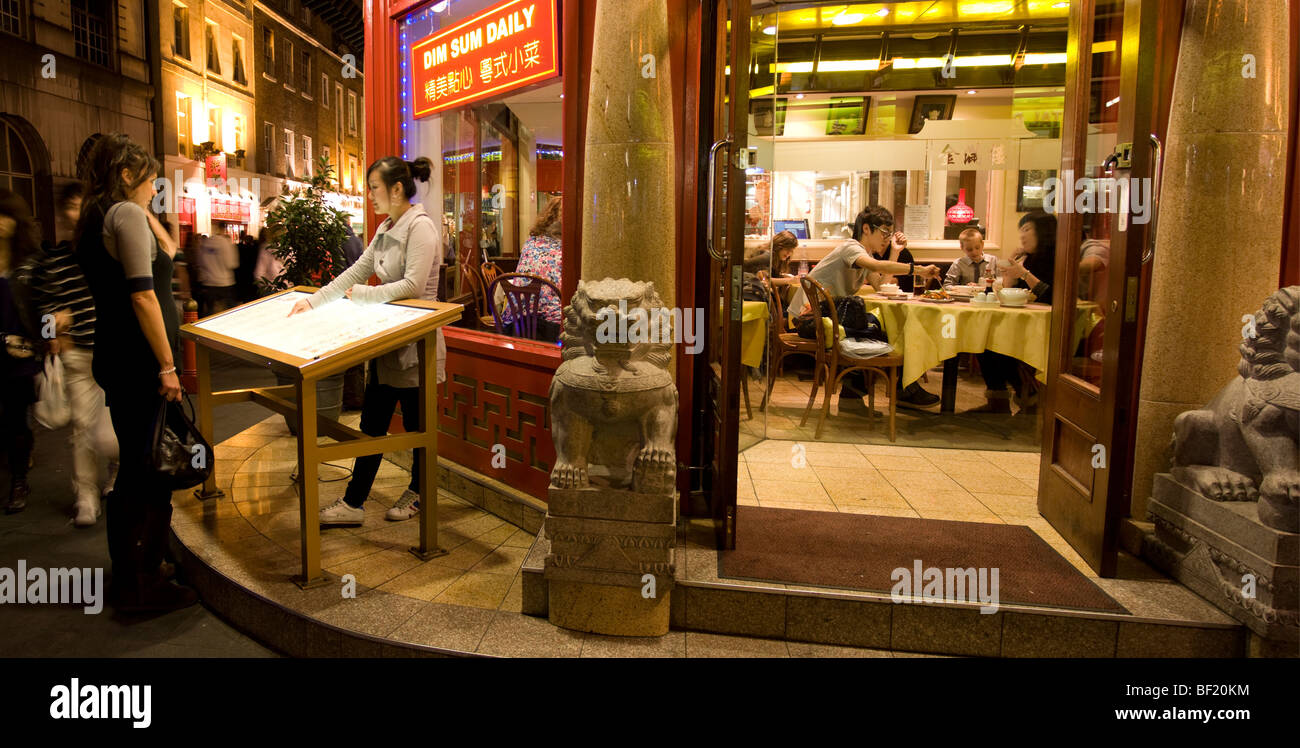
(961,212)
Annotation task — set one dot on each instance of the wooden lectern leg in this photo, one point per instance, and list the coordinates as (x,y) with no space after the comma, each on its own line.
(209,488)
(308,487)
(427,456)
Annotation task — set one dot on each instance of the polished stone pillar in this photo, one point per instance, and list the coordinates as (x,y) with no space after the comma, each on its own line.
(1219,236)
(629,219)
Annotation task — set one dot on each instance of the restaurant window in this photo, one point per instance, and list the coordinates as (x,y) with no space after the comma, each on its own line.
(210,42)
(268,53)
(91,23)
(180,31)
(288,152)
(498,160)
(184,124)
(237,55)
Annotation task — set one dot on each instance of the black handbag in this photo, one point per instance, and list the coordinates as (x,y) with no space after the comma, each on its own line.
(180,454)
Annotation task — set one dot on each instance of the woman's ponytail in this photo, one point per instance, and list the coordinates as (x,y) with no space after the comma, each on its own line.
(420,168)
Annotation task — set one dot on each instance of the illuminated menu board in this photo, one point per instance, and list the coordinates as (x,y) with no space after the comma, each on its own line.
(310,335)
(503,48)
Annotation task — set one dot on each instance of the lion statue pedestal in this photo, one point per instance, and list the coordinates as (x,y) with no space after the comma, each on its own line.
(1226,514)
(612,516)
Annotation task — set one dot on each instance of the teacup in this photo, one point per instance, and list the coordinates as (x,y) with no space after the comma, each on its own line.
(1013,296)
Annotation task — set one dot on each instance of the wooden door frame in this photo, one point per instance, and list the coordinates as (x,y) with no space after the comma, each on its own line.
(1070,401)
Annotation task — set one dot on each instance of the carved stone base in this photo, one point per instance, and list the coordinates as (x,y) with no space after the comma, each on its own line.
(610,566)
(1211,546)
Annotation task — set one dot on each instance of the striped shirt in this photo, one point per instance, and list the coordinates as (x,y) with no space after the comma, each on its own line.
(58,283)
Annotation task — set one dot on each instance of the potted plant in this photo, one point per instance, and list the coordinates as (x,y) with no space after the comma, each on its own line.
(306,236)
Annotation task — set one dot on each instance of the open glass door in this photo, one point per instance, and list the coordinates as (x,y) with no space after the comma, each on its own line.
(724,242)
(1105,211)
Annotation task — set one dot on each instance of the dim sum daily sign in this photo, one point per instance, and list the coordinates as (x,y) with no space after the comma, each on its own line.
(503,48)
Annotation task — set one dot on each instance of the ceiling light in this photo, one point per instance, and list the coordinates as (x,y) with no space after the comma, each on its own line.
(798,96)
(1060,5)
(972,91)
(770,31)
(846,18)
(883,12)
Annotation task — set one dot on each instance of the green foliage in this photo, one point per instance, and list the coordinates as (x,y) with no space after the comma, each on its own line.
(307,234)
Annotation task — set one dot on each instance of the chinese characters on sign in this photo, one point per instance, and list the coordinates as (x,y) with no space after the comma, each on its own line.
(509,46)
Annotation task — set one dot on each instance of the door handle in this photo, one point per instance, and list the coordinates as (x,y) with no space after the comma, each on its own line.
(713,180)
(1150,252)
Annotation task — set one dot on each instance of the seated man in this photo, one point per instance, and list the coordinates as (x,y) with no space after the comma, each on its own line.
(971,267)
(842,273)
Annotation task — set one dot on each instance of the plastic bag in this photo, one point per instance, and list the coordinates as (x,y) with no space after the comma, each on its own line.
(52,409)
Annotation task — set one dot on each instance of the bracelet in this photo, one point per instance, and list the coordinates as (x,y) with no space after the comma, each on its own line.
(165,372)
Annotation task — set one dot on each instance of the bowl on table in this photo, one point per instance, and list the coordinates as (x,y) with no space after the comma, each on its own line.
(889,289)
(1013,297)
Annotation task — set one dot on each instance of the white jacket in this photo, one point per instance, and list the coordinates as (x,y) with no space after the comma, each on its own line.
(405,258)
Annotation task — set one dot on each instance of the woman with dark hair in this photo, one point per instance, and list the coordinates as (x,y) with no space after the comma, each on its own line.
(774,265)
(541,255)
(19,362)
(126,257)
(1031,268)
(403,255)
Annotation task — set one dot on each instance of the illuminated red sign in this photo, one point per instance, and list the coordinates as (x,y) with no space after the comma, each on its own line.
(508,46)
(214,167)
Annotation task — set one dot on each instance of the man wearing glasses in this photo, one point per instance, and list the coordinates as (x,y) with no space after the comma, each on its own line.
(842,273)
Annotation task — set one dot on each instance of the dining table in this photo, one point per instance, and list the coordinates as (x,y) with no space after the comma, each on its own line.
(927,333)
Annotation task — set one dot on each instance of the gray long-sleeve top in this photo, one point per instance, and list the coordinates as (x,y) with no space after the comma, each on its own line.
(403,256)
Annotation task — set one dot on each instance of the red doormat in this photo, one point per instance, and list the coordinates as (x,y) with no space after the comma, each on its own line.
(862,551)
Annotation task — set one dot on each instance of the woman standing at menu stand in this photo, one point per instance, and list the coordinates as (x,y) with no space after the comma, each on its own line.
(403,254)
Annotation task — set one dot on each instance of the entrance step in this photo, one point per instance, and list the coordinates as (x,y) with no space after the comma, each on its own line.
(1166,620)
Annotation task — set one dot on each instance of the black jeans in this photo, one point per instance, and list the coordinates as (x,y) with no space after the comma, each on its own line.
(16,396)
(139,509)
(999,371)
(376,413)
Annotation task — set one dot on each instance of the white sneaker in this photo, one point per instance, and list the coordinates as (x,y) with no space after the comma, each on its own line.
(341,513)
(87,512)
(406,507)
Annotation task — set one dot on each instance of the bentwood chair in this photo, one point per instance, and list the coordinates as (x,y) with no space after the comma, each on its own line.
(523,300)
(474,280)
(781,343)
(833,364)
(489,271)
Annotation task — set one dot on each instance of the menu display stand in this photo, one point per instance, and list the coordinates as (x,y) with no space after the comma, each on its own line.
(306,348)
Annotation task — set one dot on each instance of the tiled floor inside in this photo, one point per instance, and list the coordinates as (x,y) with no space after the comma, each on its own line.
(916,428)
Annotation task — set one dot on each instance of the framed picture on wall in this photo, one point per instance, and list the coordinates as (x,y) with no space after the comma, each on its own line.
(769,115)
(930,107)
(847,115)
(1029,195)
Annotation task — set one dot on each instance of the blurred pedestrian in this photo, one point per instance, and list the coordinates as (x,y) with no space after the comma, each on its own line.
(58,288)
(217,261)
(19,354)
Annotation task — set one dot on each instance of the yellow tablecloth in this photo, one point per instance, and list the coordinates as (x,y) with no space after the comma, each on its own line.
(926,335)
(753,332)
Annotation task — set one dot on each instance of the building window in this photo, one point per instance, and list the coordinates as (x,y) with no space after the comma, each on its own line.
(338,112)
(286,55)
(288,152)
(304,72)
(325,90)
(308,167)
(268,148)
(180,31)
(214,126)
(184,125)
(11,17)
(239,133)
(90,30)
(325,153)
(237,54)
(268,53)
(354,176)
(210,41)
(16,169)
(352,113)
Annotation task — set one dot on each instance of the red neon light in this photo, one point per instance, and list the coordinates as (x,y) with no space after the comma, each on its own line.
(508,46)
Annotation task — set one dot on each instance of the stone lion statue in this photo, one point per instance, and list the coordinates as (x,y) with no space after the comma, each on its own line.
(613,400)
(1242,446)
